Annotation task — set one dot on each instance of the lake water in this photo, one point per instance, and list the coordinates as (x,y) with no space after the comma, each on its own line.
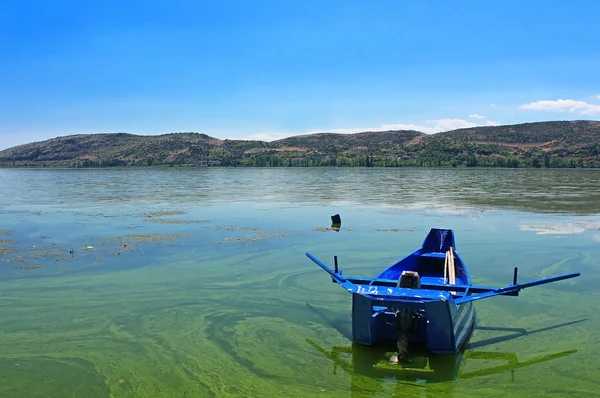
(194,282)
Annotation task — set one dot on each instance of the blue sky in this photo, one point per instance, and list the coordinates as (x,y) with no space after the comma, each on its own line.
(270,69)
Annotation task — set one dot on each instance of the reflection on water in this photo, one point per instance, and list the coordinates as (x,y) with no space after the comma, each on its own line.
(369,367)
(572,191)
(374,362)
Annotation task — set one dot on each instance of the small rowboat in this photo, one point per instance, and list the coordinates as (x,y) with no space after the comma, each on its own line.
(426,298)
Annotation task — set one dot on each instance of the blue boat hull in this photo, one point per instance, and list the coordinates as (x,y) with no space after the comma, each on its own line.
(435,321)
(426,298)
(441,326)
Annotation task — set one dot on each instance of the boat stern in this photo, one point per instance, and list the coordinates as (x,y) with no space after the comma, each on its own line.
(432,320)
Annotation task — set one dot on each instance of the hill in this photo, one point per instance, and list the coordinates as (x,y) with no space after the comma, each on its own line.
(542,144)
(547,144)
(114,150)
(329,142)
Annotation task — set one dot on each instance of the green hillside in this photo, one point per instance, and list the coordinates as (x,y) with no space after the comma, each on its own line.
(542,144)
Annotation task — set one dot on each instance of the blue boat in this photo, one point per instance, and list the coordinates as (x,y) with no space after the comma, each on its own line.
(425,298)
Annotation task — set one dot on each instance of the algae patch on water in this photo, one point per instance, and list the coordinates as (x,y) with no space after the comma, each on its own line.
(246,235)
(32,255)
(73,377)
(35,266)
(321,229)
(174,221)
(248,239)
(160,217)
(12,252)
(149,238)
(233,228)
(128,243)
(395,230)
(7,246)
(165,213)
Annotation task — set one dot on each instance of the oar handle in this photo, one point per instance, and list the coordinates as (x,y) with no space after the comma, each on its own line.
(520,286)
(331,272)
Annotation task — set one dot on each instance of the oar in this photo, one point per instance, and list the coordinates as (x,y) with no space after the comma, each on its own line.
(446,268)
(514,288)
(452,271)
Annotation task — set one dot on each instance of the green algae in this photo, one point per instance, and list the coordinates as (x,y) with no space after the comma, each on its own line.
(164,213)
(158,217)
(181,333)
(251,239)
(127,242)
(177,313)
(335,229)
(174,221)
(66,377)
(7,246)
(394,230)
(34,266)
(233,228)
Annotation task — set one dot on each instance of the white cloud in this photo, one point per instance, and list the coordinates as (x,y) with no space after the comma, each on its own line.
(429,127)
(493,104)
(476,116)
(383,127)
(561,105)
(402,126)
(453,124)
(266,136)
(598,96)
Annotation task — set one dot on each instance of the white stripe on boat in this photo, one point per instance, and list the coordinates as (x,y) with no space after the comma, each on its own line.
(463,311)
(466,326)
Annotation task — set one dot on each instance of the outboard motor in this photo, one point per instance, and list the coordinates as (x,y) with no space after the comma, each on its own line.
(409,279)
(406,318)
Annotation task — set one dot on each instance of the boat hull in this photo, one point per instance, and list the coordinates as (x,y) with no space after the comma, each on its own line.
(425,298)
(439,325)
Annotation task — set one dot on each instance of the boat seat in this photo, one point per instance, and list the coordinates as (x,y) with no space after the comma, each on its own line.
(434,255)
(409,279)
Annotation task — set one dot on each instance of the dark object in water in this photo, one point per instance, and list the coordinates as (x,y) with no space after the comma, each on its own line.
(431,293)
(336,219)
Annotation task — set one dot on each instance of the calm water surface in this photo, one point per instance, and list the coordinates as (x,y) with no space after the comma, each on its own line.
(194,282)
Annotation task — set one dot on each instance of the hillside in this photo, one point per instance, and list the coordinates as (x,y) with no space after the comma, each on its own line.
(564,133)
(542,144)
(329,142)
(115,150)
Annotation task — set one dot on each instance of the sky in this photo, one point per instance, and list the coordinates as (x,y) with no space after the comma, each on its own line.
(265,70)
